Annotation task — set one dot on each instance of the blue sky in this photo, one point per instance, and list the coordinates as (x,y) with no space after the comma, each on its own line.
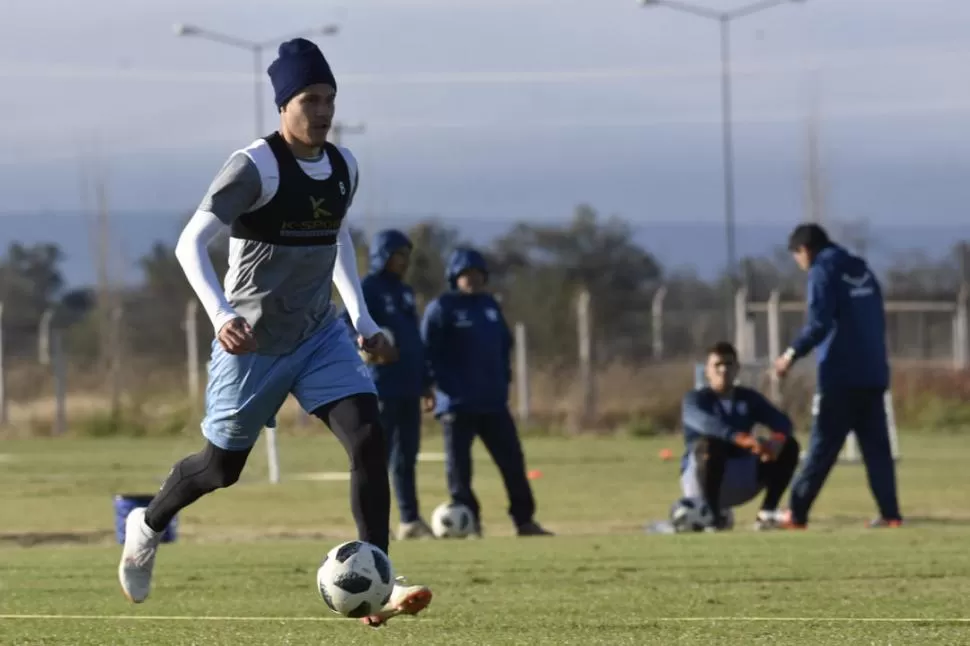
(504,109)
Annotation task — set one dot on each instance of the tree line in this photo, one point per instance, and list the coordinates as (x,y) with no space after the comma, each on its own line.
(537,270)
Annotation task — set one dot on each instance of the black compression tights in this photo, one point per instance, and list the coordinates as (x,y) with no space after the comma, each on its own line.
(354,420)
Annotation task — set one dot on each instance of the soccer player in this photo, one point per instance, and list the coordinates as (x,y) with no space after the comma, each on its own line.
(285,199)
(403,381)
(468,345)
(724,462)
(847,329)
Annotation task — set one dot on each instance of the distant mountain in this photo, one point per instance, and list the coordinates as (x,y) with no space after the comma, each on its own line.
(695,245)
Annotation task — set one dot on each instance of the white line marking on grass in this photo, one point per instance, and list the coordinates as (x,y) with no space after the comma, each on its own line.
(170,618)
(323,476)
(821,620)
(886,620)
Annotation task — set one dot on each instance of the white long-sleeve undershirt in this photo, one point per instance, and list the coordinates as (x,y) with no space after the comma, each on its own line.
(347,280)
(193,255)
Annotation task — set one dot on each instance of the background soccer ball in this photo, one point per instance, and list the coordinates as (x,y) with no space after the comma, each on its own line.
(452,520)
(355,579)
(691,515)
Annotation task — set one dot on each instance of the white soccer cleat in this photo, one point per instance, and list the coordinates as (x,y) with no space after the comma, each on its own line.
(138,556)
(405,600)
(768,520)
(414,530)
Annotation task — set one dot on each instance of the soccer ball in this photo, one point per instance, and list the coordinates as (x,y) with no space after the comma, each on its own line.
(355,579)
(452,520)
(691,515)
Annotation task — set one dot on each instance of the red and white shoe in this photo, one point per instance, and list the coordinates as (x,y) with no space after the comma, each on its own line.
(772,520)
(405,600)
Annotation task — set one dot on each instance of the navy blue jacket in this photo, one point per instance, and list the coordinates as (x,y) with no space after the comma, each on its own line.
(391,304)
(846,323)
(468,345)
(705,415)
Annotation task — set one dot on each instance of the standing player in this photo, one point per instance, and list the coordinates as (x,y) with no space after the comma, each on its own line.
(847,329)
(468,345)
(724,462)
(402,380)
(284,199)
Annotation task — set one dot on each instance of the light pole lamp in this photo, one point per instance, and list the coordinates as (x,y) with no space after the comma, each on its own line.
(724,19)
(256,49)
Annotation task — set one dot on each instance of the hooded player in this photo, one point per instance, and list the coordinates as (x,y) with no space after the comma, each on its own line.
(468,345)
(403,380)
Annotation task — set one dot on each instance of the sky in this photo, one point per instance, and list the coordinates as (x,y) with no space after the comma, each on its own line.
(503,109)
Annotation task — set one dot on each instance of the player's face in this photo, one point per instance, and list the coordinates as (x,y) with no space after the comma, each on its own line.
(471,281)
(802,258)
(721,371)
(308,116)
(399,261)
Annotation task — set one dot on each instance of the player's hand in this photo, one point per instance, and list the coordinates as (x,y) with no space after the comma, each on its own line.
(378,349)
(236,337)
(771,446)
(783,365)
(748,442)
(428,400)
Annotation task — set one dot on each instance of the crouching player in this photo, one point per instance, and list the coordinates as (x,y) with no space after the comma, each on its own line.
(725,463)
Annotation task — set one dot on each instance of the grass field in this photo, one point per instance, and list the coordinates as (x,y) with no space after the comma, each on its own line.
(242,569)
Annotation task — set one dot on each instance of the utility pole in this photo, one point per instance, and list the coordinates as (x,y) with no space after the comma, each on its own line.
(814,182)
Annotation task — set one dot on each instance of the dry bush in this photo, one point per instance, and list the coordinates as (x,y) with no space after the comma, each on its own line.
(639,399)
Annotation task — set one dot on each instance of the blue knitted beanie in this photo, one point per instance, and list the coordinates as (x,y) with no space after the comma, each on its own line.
(300,64)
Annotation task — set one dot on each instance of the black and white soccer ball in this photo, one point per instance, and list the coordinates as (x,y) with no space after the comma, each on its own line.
(355,579)
(452,520)
(691,515)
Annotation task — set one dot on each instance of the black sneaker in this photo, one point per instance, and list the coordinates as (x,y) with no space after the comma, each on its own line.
(532,528)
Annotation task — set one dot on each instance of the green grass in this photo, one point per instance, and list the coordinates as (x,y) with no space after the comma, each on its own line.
(247,555)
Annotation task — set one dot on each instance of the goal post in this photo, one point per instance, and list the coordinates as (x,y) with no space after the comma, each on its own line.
(272,457)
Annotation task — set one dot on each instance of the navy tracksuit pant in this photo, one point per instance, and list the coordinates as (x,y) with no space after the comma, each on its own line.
(861,410)
(401,419)
(501,439)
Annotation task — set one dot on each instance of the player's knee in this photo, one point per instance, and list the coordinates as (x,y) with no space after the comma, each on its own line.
(367,445)
(222,467)
(223,473)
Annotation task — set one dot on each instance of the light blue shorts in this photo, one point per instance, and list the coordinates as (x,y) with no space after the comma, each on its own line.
(738,486)
(245,392)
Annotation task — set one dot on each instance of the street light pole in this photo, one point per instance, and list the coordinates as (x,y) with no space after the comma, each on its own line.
(727,152)
(258,89)
(256,49)
(724,19)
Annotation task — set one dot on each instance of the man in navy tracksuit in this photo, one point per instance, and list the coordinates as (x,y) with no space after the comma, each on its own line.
(401,383)
(468,344)
(724,462)
(847,329)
